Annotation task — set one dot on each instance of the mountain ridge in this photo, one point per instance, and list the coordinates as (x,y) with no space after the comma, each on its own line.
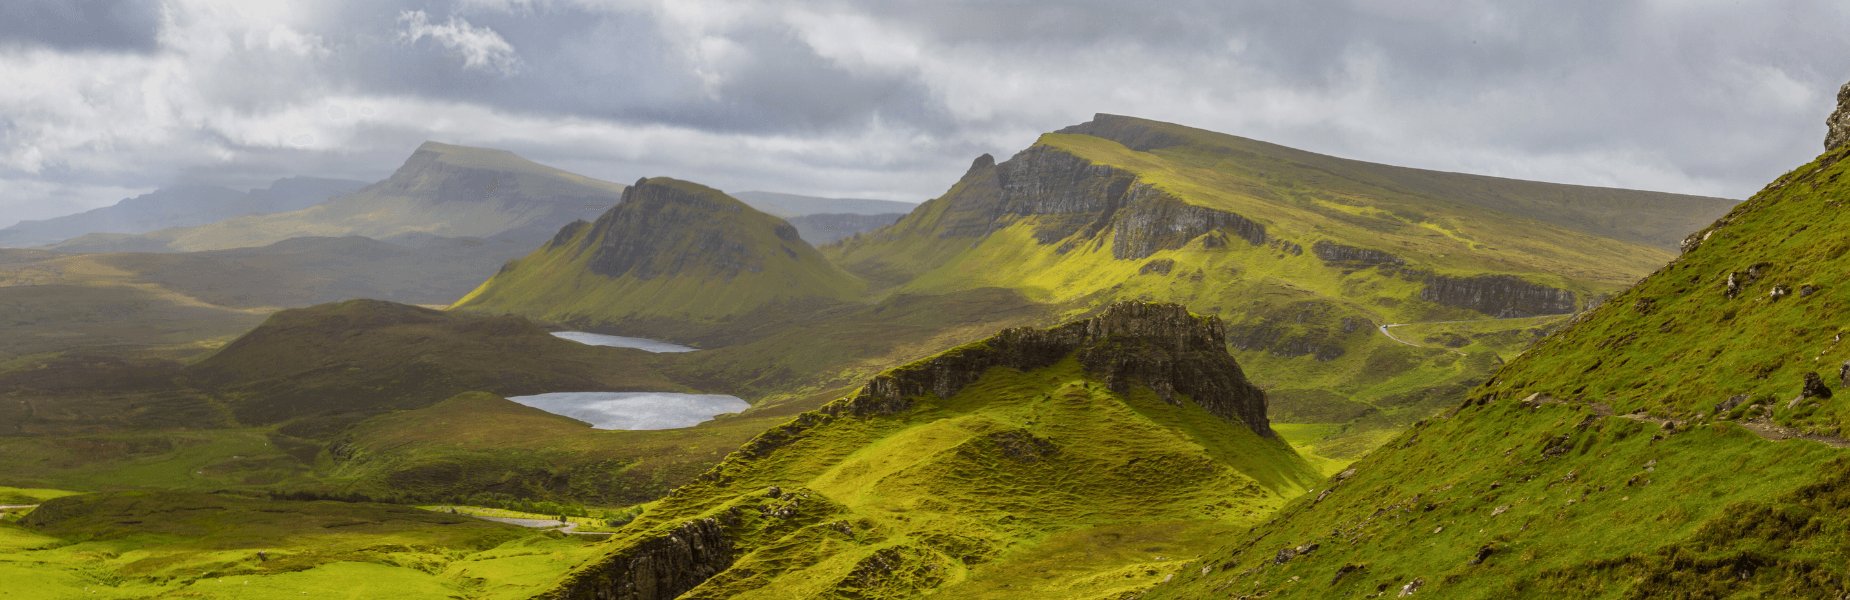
(441,189)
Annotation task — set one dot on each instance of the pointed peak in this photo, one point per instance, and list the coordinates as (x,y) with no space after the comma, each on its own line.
(982,162)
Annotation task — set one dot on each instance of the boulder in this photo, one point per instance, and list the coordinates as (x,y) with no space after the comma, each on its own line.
(1722,408)
(1814,386)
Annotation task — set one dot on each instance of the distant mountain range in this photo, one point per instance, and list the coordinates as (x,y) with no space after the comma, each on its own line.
(441,190)
(179,206)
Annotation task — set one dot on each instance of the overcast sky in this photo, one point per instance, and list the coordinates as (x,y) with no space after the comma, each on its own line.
(892,99)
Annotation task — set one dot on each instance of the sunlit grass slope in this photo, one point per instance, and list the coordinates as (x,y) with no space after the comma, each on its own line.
(190,545)
(1532,488)
(1684,340)
(673,253)
(1305,323)
(1043,483)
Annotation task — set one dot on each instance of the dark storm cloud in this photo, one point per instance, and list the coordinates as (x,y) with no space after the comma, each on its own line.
(81,24)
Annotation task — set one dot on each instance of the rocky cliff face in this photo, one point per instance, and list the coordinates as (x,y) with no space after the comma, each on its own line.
(1498,295)
(660,229)
(1837,126)
(659,569)
(1160,346)
(1073,201)
(1352,256)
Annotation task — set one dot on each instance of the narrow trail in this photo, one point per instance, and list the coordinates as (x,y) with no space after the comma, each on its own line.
(1763,427)
(1384,328)
(13,506)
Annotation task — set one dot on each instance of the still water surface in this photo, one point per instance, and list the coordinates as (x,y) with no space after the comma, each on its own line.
(598,339)
(635,410)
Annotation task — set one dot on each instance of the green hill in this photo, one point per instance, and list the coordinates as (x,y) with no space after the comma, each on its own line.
(1082,461)
(674,260)
(362,357)
(442,190)
(1683,440)
(1304,255)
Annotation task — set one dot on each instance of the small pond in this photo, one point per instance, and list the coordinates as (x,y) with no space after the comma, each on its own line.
(598,339)
(635,410)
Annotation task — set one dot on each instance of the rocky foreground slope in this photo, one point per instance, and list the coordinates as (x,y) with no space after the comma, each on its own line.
(1079,461)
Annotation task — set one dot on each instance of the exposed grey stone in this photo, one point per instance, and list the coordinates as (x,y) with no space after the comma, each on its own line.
(1497,295)
(1837,126)
(1352,256)
(1722,408)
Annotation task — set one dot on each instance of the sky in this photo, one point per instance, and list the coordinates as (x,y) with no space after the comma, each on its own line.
(893,99)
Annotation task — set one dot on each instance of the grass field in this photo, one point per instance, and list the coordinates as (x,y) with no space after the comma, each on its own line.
(175,545)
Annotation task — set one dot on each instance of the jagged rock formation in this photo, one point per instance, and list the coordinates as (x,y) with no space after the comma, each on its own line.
(1498,295)
(1837,126)
(1352,256)
(662,568)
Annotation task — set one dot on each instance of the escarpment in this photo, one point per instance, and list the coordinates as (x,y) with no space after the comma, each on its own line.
(1497,295)
(661,568)
(1075,202)
(1352,256)
(1160,346)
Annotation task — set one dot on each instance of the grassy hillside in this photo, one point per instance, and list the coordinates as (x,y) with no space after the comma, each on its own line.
(442,189)
(1056,481)
(174,544)
(1304,255)
(479,443)
(674,260)
(1598,464)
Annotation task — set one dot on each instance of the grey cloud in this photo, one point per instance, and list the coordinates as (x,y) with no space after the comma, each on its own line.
(121,25)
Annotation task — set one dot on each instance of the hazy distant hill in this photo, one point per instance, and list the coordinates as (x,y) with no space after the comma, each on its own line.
(793,205)
(178,207)
(441,190)
(823,228)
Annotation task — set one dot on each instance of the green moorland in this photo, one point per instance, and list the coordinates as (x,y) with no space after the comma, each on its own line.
(1305,325)
(198,545)
(1517,494)
(1044,483)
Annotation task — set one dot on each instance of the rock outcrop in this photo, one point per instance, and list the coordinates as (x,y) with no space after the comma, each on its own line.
(1497,295)
(659,569)
(1352,256)
(1071,195)
(1160,346)
(1837,126)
